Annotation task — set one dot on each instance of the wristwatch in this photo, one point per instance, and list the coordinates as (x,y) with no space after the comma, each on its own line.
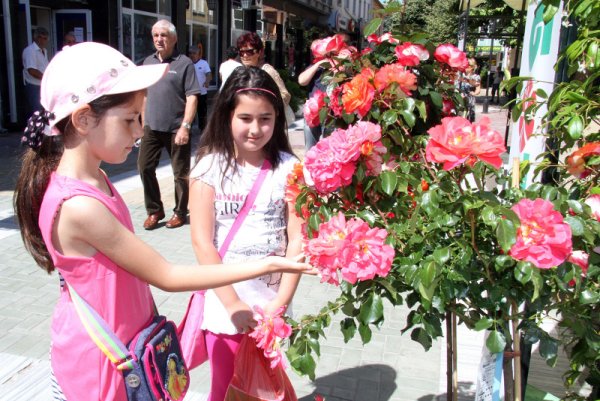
(186,125)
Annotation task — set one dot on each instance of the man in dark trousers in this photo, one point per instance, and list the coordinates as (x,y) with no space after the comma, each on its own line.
(168,116)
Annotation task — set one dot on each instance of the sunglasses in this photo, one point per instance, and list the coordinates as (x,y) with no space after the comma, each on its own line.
(247,52)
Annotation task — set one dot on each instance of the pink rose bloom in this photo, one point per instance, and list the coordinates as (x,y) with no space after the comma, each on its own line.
(368,256)
(386,37)
(270,330)
(410,54)
(348,52)
(329,163)
(325,251)
(388,74)
(350,248)
(456,141)
(543,238)
(359,133)
(312,107)
(451,55)
(327,47)
(580,258)
(593,201)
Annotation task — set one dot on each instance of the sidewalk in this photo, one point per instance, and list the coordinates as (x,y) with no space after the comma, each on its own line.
(391,367)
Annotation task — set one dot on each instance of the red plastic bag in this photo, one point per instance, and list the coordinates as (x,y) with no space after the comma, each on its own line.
(254,380)
(191,336)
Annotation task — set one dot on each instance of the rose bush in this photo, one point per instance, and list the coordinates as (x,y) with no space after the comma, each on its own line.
(406,201)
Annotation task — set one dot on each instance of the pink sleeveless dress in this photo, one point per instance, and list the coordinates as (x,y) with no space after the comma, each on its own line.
(124,302)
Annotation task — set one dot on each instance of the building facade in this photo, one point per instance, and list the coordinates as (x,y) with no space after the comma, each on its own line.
(287,28)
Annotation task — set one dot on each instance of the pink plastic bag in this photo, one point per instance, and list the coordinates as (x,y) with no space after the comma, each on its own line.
(191,336)
(254,380)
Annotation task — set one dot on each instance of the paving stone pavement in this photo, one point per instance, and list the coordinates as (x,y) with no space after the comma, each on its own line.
(391,367)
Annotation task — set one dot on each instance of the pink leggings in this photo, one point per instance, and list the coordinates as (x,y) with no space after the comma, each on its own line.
(221,354)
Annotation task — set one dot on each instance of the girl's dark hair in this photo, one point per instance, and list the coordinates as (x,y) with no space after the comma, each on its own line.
(36,167)
(251,39)
(217,137)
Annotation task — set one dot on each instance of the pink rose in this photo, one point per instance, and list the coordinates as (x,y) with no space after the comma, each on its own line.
(312,107)
(410,55)
(451,55)
(351,249)
(593,201)
(329,163)
(270,330)
(327,47)
(386,37)
(543,238)
(388,74)
(334,101)
(456,141)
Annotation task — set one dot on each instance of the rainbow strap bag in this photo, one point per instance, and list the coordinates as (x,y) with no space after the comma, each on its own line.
(152,364)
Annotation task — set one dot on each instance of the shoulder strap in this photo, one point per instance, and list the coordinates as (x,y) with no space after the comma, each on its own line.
(248,203)
(101,334)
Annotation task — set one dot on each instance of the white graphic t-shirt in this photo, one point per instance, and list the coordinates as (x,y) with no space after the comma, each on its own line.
(262,233)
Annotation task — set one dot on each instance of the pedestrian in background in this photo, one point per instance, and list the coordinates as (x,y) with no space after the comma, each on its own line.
(204,75)
(251,50)
(245,139)
(35,61)
(227,66)
(73,220)
(170,110)
(69,39)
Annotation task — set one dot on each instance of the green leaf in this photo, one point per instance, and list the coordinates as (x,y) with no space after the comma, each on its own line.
(429,202)
(420,335)
(389,179)
(489,216)
(436,99)
(314,221)
(428,273)
(365,333)
(576,224)
(367,216)
(495,342)
(587,297)
(304,364)
(575,127)
(548,349)
(313,343)
(408,117)
(506,233)
(372,26)
(441,255)
(538,284)
(390,117)
(523,272)
(483,324)
(550,10)
(372,310)
(348,328)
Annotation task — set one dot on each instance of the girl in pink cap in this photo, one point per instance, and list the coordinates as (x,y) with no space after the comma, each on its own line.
(73,220)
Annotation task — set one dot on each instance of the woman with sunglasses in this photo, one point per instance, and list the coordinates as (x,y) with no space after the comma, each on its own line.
(251,52)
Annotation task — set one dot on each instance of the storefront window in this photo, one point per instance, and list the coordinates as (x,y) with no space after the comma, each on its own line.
(126,3)
(142,34)
(127,36)
(164,7)
(145,5)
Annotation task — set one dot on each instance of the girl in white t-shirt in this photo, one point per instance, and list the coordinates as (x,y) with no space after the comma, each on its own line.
(246,127)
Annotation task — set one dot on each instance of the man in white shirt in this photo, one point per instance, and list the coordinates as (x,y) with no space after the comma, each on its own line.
(35,61)
(204,75)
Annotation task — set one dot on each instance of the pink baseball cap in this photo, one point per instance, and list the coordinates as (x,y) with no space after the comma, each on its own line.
(86,71)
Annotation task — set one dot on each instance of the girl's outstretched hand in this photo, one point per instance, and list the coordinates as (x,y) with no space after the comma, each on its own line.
(285,265)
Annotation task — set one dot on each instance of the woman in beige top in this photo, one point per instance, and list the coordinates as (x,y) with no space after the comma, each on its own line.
(251,51)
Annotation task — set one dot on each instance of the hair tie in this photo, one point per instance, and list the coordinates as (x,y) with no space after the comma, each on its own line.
(38,125)
(256,89)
